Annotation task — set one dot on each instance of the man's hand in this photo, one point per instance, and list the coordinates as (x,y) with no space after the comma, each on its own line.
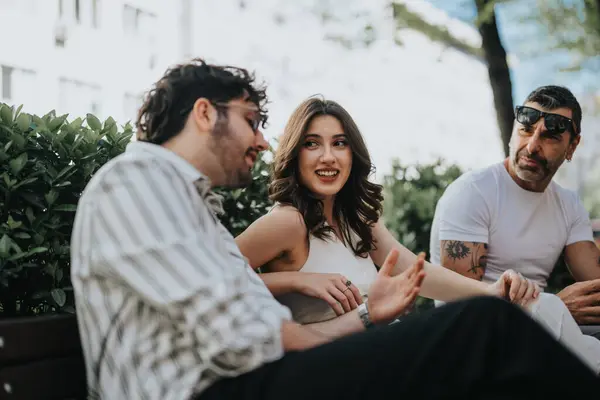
(390,296)
(515,287)
(583,301)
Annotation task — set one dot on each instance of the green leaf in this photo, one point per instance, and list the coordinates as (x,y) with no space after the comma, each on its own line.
(65,207)
(51,197)
(29,214)
(5,243)
(109,123)
(17,113)
(59,296)
(6,114)
(65,171)
(76,124)
(12,224)
(7,145)
(17,164)
(22,235)
(24,254)
(23,122)
(25,182)
(63,184)
(57,122)
(38,121)
(59,275)
(93,122)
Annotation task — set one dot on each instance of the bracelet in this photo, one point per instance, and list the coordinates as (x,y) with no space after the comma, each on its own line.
(363,313)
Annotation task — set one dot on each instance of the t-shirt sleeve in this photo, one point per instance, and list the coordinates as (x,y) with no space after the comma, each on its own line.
(580,229)
(464,214)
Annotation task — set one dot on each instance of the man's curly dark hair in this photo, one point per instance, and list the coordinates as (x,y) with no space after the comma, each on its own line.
(168,104)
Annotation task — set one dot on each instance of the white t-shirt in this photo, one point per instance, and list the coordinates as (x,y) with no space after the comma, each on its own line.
(525,231)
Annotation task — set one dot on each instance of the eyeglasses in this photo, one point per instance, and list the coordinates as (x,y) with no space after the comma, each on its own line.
(555,123)
(253,122)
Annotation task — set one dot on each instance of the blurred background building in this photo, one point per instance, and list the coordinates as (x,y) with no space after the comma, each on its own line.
(414,98)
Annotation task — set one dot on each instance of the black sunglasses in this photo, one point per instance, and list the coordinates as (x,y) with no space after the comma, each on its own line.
(555,123)
(253,122)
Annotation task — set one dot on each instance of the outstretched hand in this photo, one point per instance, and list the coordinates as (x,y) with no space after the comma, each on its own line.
(390,295)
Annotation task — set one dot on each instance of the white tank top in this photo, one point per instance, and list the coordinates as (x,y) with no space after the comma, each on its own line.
(329,256)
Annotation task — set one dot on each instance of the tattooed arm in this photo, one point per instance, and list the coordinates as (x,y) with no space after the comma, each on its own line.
(466,258)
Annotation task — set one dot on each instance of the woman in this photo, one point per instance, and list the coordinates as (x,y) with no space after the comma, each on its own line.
(321,243)
(326,232)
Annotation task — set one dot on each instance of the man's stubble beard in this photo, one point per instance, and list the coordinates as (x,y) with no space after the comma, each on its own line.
(230,155)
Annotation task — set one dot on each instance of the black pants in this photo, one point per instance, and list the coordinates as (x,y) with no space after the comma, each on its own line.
(482,348)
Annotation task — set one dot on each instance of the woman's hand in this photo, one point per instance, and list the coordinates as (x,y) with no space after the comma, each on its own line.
(391,295)
(335,289)
(515,287)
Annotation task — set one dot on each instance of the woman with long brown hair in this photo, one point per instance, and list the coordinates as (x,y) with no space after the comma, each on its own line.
(320,245)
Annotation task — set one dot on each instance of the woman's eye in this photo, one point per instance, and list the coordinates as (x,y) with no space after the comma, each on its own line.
(340,143)
(310,143)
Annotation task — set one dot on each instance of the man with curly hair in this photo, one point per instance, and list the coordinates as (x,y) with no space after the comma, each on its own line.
(168,307)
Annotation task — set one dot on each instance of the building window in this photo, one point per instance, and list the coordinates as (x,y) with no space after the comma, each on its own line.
(17,86)
(137,21)
(95,11)
(83,12)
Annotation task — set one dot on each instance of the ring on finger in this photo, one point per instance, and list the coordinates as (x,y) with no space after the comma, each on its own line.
(348,283)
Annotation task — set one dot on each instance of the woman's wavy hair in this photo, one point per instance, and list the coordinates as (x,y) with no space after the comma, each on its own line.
(358,204)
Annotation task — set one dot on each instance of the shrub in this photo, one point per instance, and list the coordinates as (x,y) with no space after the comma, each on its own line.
(410,196)
(45,163)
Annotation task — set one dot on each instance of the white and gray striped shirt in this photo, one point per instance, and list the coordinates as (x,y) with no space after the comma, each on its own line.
(166,303)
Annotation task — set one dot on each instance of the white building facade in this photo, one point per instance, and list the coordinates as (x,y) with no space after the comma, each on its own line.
(415,102)
(84,56)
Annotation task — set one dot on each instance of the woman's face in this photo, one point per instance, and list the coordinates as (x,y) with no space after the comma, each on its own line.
(325,159)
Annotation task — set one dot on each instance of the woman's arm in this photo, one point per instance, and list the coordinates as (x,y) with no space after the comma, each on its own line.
(271,235)
(440,283)
(282,230)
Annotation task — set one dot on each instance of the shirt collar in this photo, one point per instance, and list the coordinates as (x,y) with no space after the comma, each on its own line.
(191,174)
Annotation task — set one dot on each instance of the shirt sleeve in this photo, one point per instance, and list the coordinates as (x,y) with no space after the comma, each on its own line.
(580,229)
(464,215)
(154,234)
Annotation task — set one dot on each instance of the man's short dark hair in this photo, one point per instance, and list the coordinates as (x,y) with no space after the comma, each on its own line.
(168,104)
(552,97)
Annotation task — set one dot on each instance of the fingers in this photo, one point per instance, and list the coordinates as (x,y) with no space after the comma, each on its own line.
(335,305)
(523,287)
(339,295)
(588,316)
(347,292)
(357,295)
(390,262)
(528,296)
(514,282)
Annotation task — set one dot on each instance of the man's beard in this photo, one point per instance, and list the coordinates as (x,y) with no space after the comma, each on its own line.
(543,169)
(230,155)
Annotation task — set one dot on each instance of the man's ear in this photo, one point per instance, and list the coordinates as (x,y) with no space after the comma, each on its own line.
(204,115)
(573,146)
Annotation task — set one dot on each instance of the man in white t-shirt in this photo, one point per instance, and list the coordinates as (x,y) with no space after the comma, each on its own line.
(512,215)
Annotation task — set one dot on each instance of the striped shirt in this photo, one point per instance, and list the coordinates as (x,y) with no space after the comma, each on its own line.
(166,303)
